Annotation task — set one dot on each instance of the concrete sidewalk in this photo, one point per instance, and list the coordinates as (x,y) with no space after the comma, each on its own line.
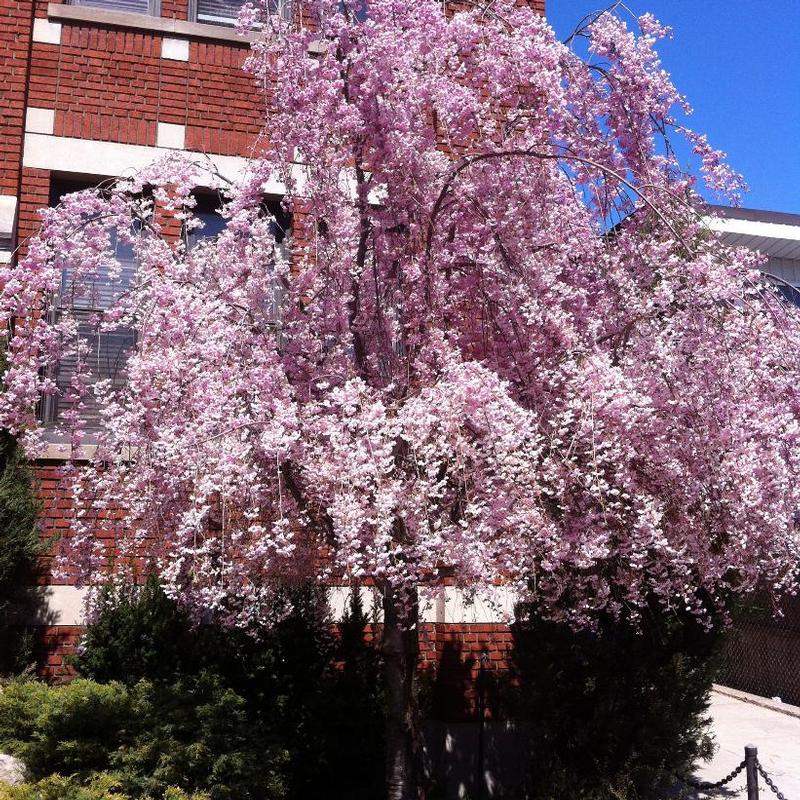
(774,728)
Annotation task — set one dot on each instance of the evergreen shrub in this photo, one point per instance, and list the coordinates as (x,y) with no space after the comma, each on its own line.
(296,712)
(19,547)
(613,713)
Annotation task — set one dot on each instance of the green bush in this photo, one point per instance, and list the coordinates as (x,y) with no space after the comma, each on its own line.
(63,729)
(101,786)
(616,712)
(194,734)
(19,546)
(19,508)
(313,697)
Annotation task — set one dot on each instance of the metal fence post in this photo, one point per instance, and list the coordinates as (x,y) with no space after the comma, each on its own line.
(751,767)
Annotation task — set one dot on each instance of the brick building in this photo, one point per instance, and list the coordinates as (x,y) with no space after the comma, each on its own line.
(96,89)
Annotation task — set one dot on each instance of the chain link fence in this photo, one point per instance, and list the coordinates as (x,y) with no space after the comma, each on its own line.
(761,654)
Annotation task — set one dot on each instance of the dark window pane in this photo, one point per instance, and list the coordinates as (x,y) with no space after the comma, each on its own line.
(357,7)
(207,210)
(791,293)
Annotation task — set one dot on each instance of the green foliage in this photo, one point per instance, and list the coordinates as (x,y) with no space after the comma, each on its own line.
(310,700)
(62,729)
(19,544)
(19,509)
(101,786)
(614,713)
(58,787)
(193,734)
(140,633)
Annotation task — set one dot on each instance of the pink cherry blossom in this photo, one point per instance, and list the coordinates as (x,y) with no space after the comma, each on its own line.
(507,348)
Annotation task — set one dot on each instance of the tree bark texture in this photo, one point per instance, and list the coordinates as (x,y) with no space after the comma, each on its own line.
(400,655)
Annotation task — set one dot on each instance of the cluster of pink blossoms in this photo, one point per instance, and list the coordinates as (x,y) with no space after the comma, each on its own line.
(506,347)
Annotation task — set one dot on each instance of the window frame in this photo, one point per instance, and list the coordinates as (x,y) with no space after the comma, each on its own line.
(285,9)
(153,7)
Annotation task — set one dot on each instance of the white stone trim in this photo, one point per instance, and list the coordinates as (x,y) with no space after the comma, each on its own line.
(59,605)
(89,157)
(339,602)
(46,32)
(171,136)
(8,214)
(40,120)
(175,49)
(63,451)
(5,256)
(493,605)
(64,605)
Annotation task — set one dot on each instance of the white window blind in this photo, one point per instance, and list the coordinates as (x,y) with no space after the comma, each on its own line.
(225,12)
(101,355)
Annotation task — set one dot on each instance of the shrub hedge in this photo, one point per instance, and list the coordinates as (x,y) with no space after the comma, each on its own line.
(165,704)
(615,712)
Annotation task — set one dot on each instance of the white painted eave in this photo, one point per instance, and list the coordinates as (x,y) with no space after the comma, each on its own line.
(770,238)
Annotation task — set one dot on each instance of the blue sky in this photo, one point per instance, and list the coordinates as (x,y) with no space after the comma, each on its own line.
(738,62)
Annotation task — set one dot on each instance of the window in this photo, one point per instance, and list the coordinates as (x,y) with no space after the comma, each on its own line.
(207,210)
(357,7)
(789,292)
(784,274)
(135,6)
(103,354)
(226,12)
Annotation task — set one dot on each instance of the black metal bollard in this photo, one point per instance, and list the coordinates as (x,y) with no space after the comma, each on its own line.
(751,770)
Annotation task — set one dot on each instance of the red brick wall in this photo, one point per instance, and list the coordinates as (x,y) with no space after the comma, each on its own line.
(223,113)
(449,663)
(15,30)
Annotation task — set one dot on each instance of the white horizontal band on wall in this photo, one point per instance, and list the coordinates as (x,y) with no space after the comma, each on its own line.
(108,159)
(64,605)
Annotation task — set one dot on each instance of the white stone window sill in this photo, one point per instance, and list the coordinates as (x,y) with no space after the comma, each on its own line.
(146,22)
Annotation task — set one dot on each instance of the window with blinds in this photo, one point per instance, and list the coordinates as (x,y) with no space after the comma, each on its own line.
(225,12)
(133,6)
(101,355)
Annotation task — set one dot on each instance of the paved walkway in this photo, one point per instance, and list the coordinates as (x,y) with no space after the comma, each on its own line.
(741,719)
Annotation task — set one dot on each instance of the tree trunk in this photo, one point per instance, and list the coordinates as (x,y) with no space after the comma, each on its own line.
(400,653)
